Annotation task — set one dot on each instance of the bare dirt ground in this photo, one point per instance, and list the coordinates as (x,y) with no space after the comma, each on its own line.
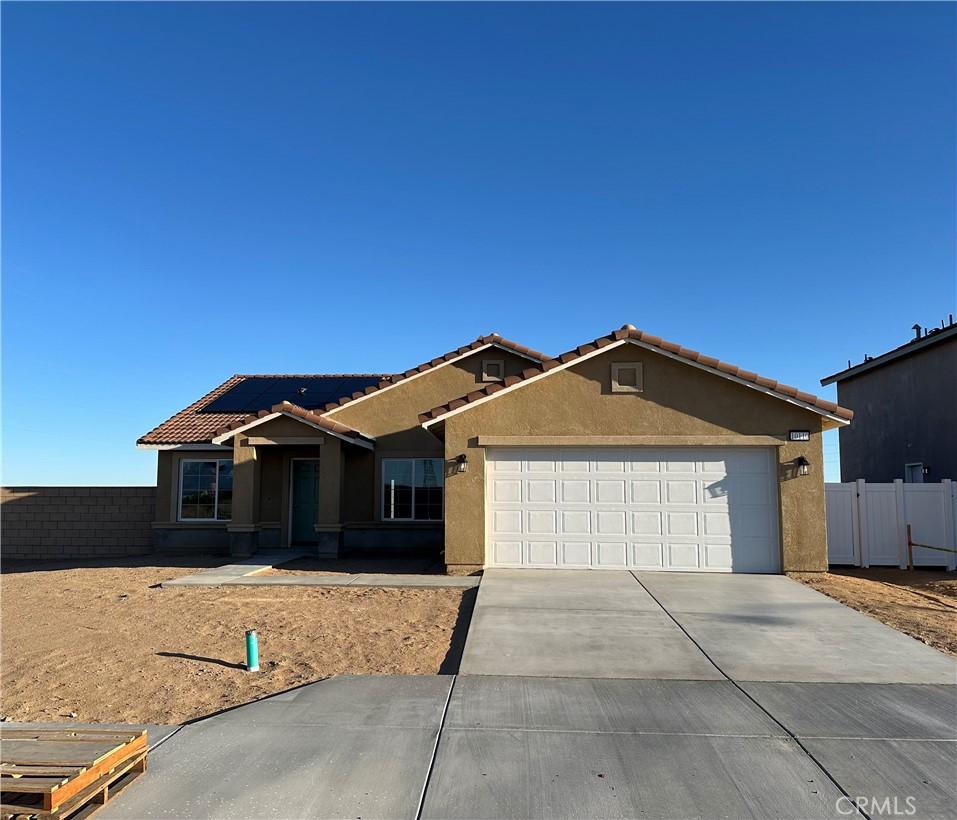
(102,642)
(920,603)
(351,566)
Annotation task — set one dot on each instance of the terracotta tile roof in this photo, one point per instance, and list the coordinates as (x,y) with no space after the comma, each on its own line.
(293,410)
(481,341)
(193,426)
(782,390)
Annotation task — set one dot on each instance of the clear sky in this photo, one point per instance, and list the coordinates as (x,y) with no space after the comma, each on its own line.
(193,190)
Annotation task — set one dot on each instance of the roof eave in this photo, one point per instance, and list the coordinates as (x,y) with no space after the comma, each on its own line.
(670,350)
(299,414)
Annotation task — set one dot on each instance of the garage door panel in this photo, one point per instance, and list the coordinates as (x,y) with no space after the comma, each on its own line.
(610,492)
(698,509)
(716,523)
(749,490)
(647,556)
(575,462)
(717,556)
(683,556)
(646,523)
(507,553)
(714,493)
(760,555)
(505,462)
(506,490)
(539,522)
(575,492)
(575,554)
(543,553)
(610,463)
(575,522)
(610,522)
(681,492)
(507,522)
(751,523)
(541,490)
(646,491)
(611,554)
(681,523)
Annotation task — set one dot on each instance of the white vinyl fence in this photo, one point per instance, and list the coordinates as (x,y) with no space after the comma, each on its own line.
(867,523)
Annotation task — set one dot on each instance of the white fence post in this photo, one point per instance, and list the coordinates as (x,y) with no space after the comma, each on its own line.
(862,521)
(949,501)
(901,522)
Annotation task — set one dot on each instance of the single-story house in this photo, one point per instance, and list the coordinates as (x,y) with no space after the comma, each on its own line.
(626,452)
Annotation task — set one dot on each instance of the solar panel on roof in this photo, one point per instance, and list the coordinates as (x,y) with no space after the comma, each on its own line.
(254,394)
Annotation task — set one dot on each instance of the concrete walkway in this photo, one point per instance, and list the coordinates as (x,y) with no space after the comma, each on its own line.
(245,574)
(606,697)
(228,573)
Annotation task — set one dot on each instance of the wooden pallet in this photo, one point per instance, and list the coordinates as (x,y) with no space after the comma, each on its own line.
(66,773)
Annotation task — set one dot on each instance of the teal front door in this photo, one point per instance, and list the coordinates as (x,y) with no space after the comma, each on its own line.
(305,501)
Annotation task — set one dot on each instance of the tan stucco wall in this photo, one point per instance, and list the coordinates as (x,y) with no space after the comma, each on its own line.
(358,485)
(678,400)
(392,417)
(167,482)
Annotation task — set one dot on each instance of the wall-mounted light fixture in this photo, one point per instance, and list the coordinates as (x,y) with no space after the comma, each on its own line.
(803,465)
(461,463)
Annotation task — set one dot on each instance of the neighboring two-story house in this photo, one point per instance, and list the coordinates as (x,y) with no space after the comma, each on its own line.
(905,410)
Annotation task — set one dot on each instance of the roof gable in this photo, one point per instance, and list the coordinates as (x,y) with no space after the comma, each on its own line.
(481,343)
(627,335)
(299,414)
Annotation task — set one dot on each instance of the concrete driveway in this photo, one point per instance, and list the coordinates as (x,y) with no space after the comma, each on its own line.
(598,694)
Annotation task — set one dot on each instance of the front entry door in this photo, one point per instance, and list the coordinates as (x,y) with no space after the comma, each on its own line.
(305,501)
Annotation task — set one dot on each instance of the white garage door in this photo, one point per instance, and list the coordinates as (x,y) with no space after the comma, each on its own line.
(677,508)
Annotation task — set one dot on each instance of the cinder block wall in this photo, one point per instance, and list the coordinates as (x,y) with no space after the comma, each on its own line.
(75,522)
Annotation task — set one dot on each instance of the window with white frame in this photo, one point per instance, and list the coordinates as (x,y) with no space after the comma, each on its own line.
(206,489)
(412,489)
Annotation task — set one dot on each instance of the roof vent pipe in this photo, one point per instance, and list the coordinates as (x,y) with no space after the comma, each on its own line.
(916,329)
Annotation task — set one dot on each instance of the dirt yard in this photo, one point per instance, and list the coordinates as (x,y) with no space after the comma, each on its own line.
(923,604)
(106,644)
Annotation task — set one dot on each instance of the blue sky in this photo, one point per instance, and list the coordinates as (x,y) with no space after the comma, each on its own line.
(194,190)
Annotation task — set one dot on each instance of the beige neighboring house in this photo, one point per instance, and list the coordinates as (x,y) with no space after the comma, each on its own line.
(626,452)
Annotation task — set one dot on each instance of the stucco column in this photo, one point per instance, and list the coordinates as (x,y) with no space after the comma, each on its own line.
(243,529)
(328,524)
(803,514)
(464,516)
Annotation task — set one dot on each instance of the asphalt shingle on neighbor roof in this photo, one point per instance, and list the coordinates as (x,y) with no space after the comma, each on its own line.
(782,390)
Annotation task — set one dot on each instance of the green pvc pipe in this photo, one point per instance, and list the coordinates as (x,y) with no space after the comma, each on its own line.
(252,651)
